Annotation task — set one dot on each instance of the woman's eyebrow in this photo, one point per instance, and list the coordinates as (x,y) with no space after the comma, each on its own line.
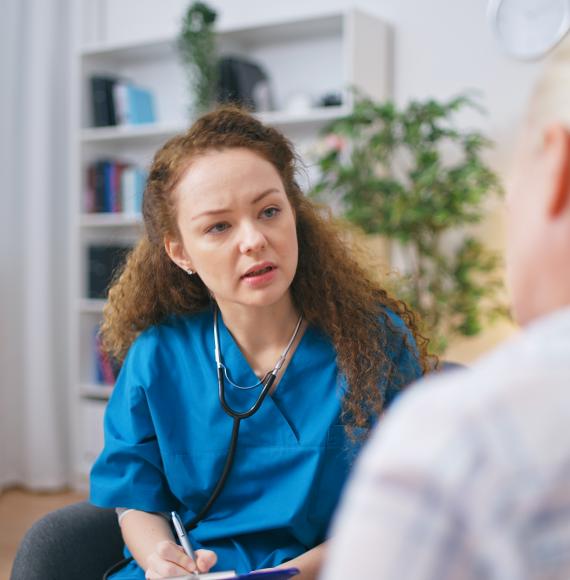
(255,200)
(264,194)
(210,212)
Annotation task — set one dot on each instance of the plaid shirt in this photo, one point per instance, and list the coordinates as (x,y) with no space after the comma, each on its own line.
(468,477)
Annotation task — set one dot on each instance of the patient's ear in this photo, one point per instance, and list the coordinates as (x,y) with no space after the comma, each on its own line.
(557,152)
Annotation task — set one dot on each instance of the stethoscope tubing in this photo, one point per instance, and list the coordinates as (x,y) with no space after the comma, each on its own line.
(267,384)
(267,381)
(230,455)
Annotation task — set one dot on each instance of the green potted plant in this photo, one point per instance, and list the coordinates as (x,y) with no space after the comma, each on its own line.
(413,177)
(197,49)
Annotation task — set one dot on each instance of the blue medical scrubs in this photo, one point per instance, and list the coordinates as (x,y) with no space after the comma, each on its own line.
(166,438)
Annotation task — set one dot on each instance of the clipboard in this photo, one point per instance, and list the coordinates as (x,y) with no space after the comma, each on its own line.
(275,574)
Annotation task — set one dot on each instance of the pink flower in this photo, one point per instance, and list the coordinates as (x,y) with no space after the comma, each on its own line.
(335,142)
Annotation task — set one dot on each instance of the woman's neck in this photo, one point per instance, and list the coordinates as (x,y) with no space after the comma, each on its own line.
(261,330)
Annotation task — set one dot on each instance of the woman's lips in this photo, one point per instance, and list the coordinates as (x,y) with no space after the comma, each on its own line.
(259,271)
(260,277)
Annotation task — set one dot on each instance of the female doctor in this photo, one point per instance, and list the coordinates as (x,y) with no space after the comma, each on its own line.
(240,297)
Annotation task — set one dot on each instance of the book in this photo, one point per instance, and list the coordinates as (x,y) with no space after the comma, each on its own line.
(273,574)
(108,181)
(102,100)
(120,167)
(133,180)
(90,186)
(114,186)
(103,261)
(134,105)
(100,184)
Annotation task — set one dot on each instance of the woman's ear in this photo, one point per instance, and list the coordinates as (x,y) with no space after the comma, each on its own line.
(176,252)
(557,150)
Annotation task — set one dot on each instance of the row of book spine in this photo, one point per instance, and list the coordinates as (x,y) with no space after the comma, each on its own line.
(116,101)
(114,187)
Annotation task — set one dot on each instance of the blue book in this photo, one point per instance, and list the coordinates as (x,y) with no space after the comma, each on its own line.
(140,183)
(134,105)
(140,106)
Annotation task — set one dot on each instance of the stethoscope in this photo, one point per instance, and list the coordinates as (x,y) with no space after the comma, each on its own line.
(222,374)
(267,380)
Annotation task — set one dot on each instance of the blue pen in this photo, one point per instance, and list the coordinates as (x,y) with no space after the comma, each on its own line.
(183,538)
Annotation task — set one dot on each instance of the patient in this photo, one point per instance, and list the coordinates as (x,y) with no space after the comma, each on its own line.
(469,477)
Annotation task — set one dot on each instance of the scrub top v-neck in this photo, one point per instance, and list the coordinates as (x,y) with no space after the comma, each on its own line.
(166,439)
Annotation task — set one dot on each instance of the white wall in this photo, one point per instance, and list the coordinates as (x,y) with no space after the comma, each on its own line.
(441,48)
(11,278)
(34,158)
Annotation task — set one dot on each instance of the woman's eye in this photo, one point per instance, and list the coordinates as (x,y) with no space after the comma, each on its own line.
(270,212)
(217,228)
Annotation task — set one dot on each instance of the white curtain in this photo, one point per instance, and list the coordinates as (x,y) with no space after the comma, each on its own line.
(34,186)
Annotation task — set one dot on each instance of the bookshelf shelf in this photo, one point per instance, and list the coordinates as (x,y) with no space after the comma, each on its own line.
(99,392)
(252,35)
(317,115)
(109,220)
(128,133)
(153,48)
(282,119)
(91,306)
(305,60)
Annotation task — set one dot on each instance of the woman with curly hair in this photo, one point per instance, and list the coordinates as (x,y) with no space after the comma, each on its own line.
(240,291)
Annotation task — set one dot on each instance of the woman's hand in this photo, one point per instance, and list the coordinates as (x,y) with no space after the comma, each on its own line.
(169,559)
(151,542)
(309,563)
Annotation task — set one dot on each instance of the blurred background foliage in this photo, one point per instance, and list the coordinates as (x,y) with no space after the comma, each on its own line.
(413,177)
(198,53)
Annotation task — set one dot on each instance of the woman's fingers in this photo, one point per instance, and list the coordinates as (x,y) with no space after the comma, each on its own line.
(206,559)
(169,559)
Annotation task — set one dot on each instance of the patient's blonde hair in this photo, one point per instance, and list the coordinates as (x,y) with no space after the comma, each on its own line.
(550,99)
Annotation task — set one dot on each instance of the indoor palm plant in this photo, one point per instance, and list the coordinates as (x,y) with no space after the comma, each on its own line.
(413,177)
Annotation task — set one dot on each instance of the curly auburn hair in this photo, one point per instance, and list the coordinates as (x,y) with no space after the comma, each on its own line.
(331,288)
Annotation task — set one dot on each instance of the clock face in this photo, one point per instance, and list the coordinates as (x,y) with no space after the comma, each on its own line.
(529,28)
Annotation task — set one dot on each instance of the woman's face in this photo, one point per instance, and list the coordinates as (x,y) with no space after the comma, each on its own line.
(237,228)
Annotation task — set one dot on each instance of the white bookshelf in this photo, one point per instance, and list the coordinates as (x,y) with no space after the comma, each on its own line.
(126,134)
(314,117)
(90,306)
(313,56)
(96,392)
(109,220)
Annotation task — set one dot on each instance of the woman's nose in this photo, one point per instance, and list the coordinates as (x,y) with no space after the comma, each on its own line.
(252,239)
